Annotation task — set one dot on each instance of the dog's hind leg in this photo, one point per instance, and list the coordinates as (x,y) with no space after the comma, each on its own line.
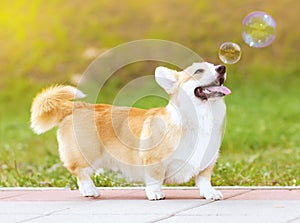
(86,186)
(203,182)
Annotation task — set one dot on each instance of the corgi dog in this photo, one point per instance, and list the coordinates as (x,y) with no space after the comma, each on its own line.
(170,144)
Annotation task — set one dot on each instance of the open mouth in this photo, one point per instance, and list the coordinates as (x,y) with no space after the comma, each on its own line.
(211,91)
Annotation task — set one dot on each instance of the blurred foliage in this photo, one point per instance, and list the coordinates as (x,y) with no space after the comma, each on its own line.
(51,40)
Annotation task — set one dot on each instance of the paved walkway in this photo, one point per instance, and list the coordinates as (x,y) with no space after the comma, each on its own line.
(245,205)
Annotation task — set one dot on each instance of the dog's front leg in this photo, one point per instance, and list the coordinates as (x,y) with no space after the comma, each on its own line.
(203,182)
(153,181)
(153,191)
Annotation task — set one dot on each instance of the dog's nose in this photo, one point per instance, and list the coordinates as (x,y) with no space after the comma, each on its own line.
(221,69)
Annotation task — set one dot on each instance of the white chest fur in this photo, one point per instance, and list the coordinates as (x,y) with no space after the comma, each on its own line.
(201,136)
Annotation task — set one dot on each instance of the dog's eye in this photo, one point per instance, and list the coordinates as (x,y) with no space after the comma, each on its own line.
(199,71)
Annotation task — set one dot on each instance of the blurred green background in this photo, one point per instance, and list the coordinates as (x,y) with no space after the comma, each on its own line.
(48,42)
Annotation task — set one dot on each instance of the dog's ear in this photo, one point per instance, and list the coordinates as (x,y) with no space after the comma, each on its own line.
(166,78)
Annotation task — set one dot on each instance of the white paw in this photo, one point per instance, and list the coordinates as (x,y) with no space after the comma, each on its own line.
(88,189)
(211,194)
(155,195)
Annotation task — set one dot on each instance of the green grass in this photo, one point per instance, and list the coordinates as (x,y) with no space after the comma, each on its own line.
(269,167)
(261,145)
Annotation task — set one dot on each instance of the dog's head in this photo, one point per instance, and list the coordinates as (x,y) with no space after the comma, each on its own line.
(203,81)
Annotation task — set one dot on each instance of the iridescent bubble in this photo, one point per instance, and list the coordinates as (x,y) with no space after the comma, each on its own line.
(230,53)
(259,29)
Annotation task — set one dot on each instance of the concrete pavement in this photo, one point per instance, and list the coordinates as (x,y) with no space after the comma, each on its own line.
(243,204)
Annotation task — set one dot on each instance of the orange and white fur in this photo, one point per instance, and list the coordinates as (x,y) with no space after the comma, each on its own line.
(171,144)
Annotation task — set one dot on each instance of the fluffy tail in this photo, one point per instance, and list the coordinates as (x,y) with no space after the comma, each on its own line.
(51,105)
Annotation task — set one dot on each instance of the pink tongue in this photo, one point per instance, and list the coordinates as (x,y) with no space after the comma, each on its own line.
(221,89)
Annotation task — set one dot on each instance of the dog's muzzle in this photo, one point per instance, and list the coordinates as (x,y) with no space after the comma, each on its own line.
(215,89)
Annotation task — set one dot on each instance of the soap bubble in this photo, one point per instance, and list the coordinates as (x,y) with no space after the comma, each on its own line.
(230,53)
(259,29)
